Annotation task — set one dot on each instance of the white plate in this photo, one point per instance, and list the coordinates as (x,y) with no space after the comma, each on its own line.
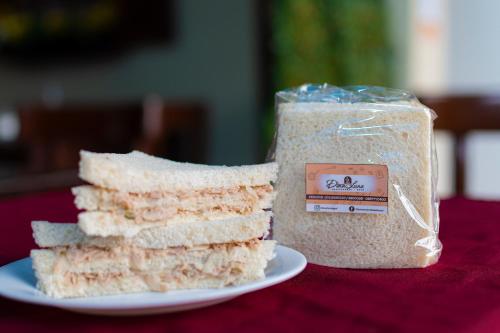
(17,282)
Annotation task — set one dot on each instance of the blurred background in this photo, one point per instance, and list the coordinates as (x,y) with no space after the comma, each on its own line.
(195,80)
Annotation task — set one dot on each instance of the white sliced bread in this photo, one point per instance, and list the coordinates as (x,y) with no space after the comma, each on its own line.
(399,136)
(218,267)
(144,207)
(97,198)
(237,229)
(139,173)
(105,224)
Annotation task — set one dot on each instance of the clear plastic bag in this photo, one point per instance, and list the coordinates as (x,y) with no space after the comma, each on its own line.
(357,177)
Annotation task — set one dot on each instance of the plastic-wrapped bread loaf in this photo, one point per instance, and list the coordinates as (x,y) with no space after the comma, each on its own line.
(369,144)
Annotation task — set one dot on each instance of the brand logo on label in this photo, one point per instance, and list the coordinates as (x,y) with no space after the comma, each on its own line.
(347,183)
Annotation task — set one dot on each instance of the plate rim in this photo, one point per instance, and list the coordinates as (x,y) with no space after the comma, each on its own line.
(227,292)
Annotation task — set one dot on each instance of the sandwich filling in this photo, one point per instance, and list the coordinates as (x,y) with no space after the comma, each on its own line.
(160,206)
(76,268)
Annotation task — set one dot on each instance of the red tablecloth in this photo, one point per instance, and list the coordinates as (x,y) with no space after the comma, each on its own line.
(459,294)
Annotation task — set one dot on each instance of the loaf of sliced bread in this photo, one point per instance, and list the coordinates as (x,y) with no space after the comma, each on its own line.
(398,135)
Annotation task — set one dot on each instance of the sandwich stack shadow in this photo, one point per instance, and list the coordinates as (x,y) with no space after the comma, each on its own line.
(150,224)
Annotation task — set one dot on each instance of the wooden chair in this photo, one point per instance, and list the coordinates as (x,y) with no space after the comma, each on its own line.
(459,115)
(174,129)
(50,138)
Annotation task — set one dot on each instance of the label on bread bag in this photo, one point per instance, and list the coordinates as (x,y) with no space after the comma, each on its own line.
(346,188)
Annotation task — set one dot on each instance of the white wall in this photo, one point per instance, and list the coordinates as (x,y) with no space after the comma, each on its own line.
(213,59)
(428,46)
(451,47)
(474,68)
(474,53)
(483,165)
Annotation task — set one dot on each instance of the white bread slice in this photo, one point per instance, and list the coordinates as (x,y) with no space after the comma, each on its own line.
(216,267)
(105,224)
(140,173)
(237,229)
(147,207)
(399,136)
(89,197)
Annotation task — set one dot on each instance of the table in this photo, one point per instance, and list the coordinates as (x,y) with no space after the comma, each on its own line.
(459,294)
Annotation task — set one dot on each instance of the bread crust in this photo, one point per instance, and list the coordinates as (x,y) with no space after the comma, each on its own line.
(237,229)
(141,173)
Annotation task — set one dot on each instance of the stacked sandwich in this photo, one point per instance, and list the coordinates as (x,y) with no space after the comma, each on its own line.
(151,224)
